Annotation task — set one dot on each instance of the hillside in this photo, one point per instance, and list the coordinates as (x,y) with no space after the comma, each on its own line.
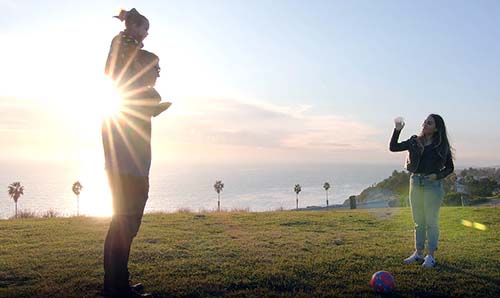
(271,254)
(475,186)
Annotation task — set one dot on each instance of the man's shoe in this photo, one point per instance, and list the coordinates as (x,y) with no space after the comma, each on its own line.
(138,287)
(135,294)
(415,257)
(125,294)
(429,262)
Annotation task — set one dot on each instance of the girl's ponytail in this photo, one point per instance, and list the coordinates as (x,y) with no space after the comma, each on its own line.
(131,17)
(122,16)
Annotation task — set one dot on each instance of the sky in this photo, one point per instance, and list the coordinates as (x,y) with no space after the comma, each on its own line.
(257,81)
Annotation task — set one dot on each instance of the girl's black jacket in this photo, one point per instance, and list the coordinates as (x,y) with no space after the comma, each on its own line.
(434,162)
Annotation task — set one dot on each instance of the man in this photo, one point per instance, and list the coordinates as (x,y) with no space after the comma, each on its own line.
(127,151)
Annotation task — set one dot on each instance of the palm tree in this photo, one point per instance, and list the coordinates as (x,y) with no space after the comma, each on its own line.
(77,189)
(218,186)
(297,189)
(326,186)
(16,190)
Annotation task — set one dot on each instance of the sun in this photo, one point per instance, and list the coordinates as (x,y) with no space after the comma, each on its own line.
(83,103)
(94,99)
(101,100)
(109,98)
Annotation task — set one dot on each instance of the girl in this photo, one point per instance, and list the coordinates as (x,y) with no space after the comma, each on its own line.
(125,46)
(134,70)
(429,162)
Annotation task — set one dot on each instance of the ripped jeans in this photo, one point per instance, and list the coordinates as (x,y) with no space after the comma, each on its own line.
(426,197)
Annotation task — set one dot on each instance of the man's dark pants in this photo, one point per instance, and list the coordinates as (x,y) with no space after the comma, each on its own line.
(130,194)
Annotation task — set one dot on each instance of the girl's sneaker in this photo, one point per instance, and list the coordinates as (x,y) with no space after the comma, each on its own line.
(415,257)
(429,261)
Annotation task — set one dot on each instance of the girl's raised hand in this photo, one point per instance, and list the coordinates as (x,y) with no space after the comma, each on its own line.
(399,123)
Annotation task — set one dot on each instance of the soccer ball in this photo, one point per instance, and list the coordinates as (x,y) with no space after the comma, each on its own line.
(382,282)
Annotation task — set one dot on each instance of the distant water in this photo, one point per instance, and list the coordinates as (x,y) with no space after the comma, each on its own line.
(172,187)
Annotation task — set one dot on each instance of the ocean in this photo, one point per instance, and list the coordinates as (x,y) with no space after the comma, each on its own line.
(173,187)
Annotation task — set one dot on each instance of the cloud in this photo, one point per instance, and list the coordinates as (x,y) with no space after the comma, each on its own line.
(16,114)
(30,129)
(279,129)
(204,130)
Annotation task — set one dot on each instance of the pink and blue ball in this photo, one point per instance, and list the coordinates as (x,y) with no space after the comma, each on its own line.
(382,282)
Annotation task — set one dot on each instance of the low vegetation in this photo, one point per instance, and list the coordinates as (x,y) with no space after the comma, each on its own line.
(245,254)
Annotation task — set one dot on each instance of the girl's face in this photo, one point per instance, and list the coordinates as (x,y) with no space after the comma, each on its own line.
(140,31)
(429,126)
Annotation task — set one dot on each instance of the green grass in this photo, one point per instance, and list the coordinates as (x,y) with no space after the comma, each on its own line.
(272,254)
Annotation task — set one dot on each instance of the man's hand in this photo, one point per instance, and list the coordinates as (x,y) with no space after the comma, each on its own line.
(160,108)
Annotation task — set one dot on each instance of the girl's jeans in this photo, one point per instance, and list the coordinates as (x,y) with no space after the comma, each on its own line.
(425,200)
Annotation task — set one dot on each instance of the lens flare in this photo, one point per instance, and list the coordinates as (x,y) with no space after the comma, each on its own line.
(475,225)
(479,226)
(466,223)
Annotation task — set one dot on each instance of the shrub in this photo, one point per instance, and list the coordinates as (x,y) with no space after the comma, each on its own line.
(454,199)
(50,214)
(25,214)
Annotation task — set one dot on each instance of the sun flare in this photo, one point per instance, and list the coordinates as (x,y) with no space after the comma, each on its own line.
(109,99)
(89,105)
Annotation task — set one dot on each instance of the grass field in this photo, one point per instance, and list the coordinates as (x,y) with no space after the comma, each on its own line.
(272,254)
